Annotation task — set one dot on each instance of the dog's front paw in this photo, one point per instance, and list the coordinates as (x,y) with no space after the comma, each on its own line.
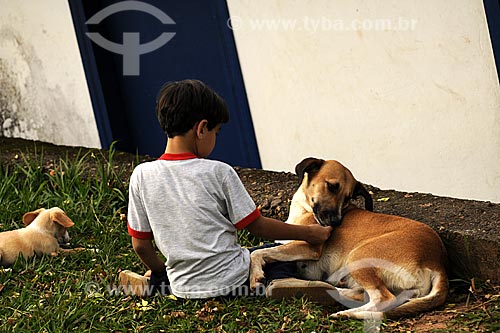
(257,282)
(257,277)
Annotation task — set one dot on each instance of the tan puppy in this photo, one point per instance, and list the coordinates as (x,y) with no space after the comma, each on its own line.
(397,263)
(45,230)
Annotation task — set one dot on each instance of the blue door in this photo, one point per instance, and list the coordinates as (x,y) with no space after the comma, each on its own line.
(131,48)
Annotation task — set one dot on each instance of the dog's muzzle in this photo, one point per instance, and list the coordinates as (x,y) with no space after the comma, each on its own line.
(64,238)
(327,217)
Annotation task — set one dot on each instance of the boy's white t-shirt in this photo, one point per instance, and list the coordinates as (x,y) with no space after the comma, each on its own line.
(192,208)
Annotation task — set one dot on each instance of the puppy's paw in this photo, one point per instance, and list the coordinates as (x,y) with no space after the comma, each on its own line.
(78,249)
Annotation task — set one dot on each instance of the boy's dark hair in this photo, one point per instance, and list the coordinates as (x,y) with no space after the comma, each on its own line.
(180,105)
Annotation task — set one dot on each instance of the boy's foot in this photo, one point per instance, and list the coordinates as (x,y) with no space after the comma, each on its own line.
(134,284)
(316,291)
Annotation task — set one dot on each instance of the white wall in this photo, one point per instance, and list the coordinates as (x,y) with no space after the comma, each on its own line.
(414,107)
(43,90)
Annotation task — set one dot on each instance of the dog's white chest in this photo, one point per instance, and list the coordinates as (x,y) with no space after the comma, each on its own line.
(324,269)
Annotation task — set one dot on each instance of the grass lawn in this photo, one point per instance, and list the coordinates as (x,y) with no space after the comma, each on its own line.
(74,292)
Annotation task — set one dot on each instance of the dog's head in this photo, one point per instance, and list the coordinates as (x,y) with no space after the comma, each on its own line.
(52,220)
(329,188)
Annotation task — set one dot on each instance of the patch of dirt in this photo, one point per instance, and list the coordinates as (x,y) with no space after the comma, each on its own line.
(272,191)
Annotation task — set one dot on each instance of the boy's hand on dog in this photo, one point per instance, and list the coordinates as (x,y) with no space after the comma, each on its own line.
(318,234)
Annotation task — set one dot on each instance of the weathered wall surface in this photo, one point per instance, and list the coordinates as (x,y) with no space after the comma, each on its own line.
(405,93)
(43,91)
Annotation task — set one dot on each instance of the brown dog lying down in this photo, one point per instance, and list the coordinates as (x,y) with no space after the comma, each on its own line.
(45,230)
(398,263)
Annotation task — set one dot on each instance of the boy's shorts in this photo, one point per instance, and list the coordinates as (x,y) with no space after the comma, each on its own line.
(275,270)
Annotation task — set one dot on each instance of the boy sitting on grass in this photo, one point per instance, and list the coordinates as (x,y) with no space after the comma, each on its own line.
(192,207)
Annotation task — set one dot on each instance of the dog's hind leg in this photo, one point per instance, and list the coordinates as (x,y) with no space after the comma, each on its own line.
(3,270)
(3,264)
(379,297)
(375,308)
(354,294)
(350,298)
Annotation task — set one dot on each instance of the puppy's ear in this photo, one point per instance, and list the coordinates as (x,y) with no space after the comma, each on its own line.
(310,165)
(360,190)
(57,215)
(31,216)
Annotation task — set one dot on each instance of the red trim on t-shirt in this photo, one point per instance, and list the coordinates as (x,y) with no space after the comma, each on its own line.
(139,234)
(247,220)
(177,157)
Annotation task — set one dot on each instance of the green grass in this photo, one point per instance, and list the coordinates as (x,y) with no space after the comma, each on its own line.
(73,293)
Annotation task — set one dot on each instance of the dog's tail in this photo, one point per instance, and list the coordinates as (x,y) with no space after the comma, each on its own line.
(436,297)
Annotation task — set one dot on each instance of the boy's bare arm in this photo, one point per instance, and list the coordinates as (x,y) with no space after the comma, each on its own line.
(273,229)
(148,255)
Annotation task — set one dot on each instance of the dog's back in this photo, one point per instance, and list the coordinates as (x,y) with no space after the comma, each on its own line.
(401,237)
(12,244)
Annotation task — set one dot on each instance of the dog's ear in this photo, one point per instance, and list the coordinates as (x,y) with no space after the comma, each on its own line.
(360,190)
(31,216)
(57,215)
(310,165)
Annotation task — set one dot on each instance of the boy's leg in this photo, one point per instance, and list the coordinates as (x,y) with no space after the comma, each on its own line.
(159,283)
(283,281)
